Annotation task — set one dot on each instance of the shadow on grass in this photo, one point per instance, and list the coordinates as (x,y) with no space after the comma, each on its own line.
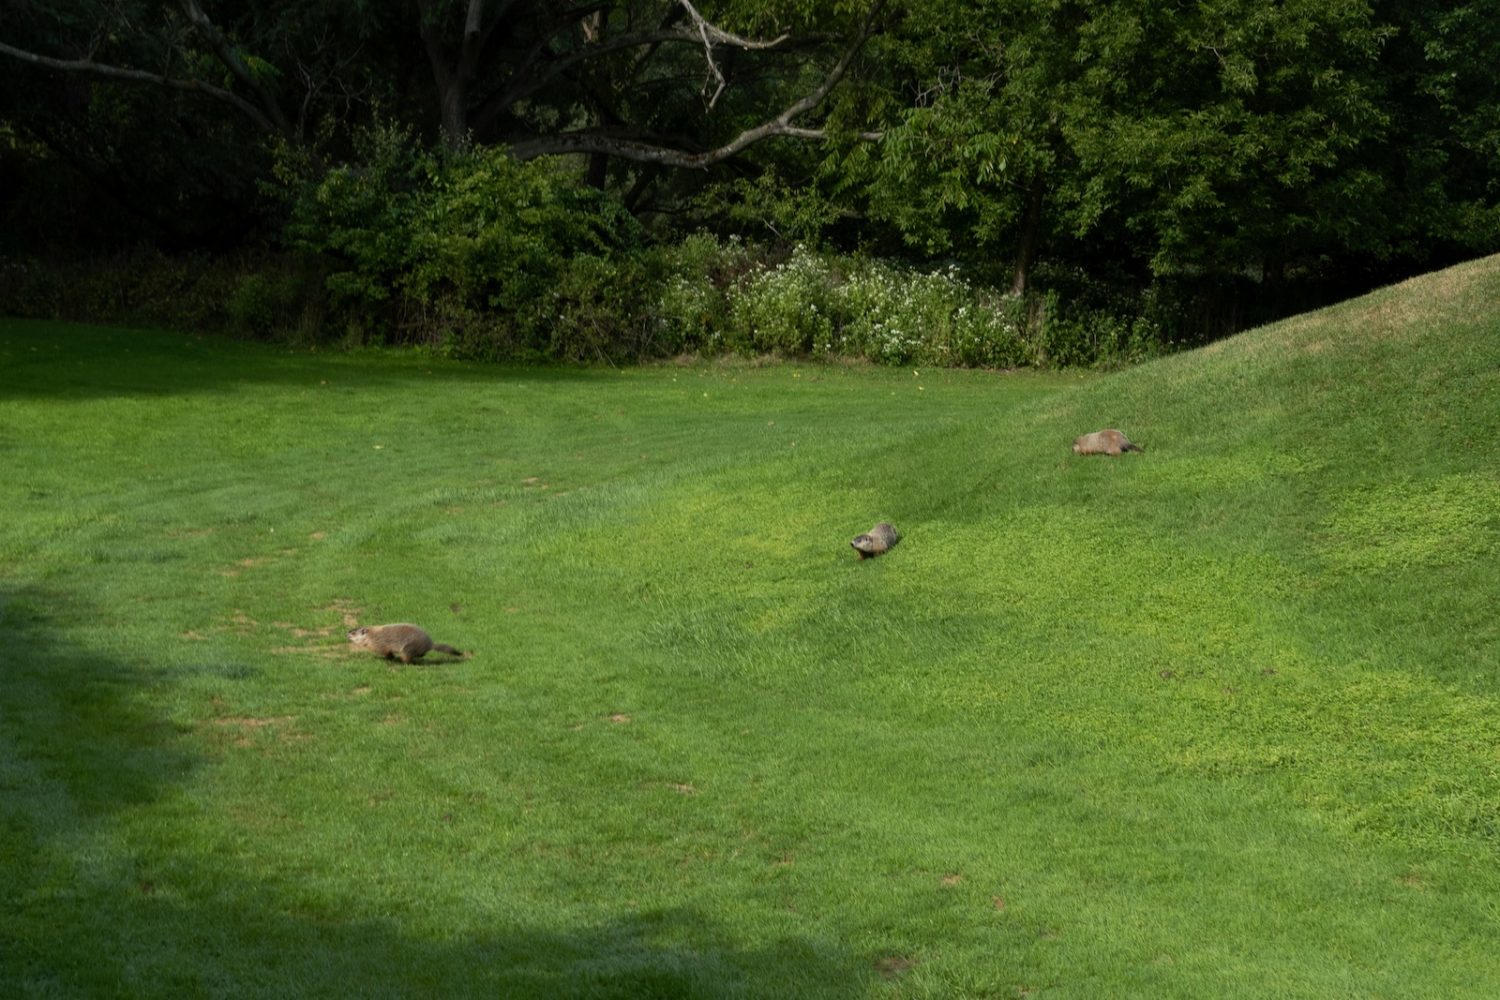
(78,743)
(105,892)
(43,359)
(224,950)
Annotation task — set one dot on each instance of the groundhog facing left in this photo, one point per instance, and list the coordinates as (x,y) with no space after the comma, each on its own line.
(402,641)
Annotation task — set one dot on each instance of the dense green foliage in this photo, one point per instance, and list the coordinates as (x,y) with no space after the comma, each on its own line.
(1163,173)
(1217,720)
(699,297)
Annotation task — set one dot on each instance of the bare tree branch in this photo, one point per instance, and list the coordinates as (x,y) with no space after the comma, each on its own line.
(231,58)
(104,71)
(712,35)
(524,83)
(598,141)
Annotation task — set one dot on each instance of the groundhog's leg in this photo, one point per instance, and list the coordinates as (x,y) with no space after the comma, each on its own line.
(406,658)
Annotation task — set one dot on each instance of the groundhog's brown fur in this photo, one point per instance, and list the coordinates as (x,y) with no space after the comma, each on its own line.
(401,641)
(1105,442)
(875,541)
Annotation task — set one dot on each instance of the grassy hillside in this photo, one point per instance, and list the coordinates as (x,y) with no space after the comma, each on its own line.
(1216,720)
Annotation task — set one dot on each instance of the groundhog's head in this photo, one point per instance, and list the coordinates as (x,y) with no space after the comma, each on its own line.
(359,636)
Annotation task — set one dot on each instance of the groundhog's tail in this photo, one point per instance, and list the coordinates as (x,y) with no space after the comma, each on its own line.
(443,647)
(1132,446)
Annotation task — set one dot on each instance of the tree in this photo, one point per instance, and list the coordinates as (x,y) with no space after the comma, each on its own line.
(1215,137)
(522,73)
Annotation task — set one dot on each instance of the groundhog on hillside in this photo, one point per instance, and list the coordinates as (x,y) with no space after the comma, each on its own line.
(875,541)
(401,641)
(1105,442)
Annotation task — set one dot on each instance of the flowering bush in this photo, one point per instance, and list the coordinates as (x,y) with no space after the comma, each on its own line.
(823,305)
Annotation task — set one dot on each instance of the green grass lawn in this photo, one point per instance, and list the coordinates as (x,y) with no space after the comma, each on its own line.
(1219,720)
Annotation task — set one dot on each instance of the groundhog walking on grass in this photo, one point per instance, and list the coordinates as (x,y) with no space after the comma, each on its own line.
(401,641)
(1105,442)
(875,541)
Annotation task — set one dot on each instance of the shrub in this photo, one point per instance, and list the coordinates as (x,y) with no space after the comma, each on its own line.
(284,302)
(696,284)
(195,292)
(424,243)
(785,309)
(902,316)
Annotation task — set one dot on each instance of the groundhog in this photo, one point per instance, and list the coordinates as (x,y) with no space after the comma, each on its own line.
(875,541)
(401,641)
(1106,442)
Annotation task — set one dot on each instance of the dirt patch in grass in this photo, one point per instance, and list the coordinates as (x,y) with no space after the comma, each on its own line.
(241,565)
(326,652)
(308,633)
(239,623)
(244,730)
(352,694)
(893,965)
(250,722)
(348,612)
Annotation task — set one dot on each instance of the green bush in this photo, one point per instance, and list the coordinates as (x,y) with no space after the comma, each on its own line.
(422,243)
(827,305)
(786,309)
(480,256)
(696,283)
(277,302)
(903,316)
(195,292)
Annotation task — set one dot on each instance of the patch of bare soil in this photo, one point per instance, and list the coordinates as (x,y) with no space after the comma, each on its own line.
(316,639)
(243,728)
(893,965)
(346,609)
(350,695)
(250,722)
(325,652)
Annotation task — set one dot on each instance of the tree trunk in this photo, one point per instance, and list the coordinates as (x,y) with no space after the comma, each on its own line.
(1031,228)
(453,96)
(598,165)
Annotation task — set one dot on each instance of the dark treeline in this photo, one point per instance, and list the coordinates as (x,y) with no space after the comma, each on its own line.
(628,177)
